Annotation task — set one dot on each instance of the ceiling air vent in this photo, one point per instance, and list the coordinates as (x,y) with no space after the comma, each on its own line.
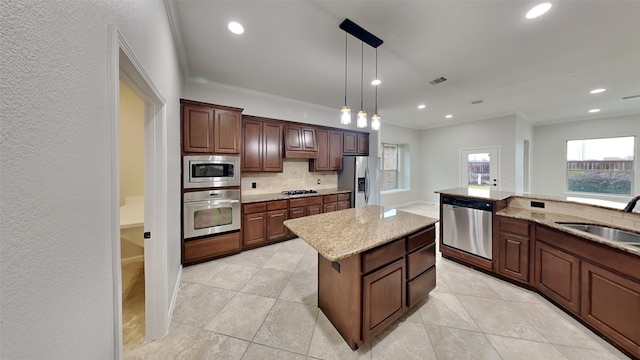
(476,102)
(438,80)
(630,97)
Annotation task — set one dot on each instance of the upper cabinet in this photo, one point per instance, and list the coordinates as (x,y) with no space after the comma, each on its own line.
(262,145)
(300,141)
(329,157)
(208,128)
(355,143)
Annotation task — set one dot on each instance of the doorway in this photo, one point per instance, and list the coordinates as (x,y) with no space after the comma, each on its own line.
(480,169)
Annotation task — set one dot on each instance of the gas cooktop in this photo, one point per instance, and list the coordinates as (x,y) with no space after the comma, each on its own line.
(299,192)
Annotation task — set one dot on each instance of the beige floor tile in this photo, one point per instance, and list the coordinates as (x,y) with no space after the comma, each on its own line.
(327,343)
(519,349)
(288,326)
(405,340)
(294,246)
(242,316)
(267,283)
(302,288)
(510,292)
(201,273)
(198,304)
(497,317)
(249,258)
(446,310)
(168,347)
(207,345)
(232,276)
(261,352)
(441,285)
(468,283)
(553,327)
(283,262)
(574,353)
(308,264)
(455,344)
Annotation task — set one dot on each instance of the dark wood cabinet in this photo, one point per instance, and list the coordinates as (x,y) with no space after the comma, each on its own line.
(263,222)
(275,227)
(209,128)
(557,275)
(611,303)
(205,249)
(513,249)
(384,297)
(262,145)
(355,143)
(300,141)
(336,202)
(255,228)
(329,155)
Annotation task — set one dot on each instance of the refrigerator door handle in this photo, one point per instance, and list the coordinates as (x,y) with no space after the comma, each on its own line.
(366,186)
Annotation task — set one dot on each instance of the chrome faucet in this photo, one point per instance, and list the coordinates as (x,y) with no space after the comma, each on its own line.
(631,204)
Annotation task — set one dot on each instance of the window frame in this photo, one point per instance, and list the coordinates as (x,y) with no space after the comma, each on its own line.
(397,167)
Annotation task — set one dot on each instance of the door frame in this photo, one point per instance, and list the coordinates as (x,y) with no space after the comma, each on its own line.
(124,65)
(489,149)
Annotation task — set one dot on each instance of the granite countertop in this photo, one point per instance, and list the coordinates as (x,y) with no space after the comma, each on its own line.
(477,193)
(340,234)
(552,219)
(246,199)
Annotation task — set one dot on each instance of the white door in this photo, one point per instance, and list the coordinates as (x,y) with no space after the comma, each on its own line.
(480,169)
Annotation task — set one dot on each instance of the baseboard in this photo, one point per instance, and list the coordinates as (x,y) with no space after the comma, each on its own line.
(175,296)
(132,259)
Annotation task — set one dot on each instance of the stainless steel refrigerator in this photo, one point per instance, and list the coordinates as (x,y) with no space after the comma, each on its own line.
(361,175)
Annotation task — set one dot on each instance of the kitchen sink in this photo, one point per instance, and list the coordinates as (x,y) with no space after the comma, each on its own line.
(608,233)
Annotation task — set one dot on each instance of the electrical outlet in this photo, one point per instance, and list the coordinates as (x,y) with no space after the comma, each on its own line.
(318,181)
(254,185)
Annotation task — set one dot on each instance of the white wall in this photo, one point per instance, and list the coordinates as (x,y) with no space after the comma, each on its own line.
(524,132)
(56,251)
(410,138)
(271,106)
(549,154)
(439,156)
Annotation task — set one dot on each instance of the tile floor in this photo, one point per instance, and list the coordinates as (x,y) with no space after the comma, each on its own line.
(261,304)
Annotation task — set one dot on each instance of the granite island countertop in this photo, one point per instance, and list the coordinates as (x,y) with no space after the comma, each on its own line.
(340,234)
(247,199)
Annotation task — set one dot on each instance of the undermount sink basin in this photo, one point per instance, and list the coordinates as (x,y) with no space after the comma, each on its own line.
(608,233)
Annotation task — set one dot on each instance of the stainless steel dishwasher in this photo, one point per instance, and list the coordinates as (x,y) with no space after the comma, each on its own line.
(467,225)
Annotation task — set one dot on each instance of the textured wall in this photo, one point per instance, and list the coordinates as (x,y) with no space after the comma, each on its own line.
(56,248)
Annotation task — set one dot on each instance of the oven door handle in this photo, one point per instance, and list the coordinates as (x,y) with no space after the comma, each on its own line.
(223,201)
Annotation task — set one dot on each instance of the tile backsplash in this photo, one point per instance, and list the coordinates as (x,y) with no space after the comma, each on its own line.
(295,176)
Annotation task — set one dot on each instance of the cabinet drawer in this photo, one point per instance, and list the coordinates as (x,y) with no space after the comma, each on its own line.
(382,255)
(421,260)
(330,198)
(420,239)
(419,288)
(254,208)
(344,197)
(208,248)
(277,205)
(313,200)
(518,227)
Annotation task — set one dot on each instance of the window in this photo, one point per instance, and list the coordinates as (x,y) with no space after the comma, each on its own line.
(389,167)
(601,166)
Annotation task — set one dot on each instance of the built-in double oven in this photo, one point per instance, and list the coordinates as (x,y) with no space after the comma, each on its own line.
(215,209)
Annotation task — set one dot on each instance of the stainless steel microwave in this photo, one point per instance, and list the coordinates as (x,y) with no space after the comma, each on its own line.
(210,171)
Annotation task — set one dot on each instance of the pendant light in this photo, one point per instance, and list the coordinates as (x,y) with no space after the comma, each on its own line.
(345,117)
(375,119)
(361,120)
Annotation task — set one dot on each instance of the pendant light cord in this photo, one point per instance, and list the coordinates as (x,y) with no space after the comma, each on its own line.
(345,68)
(376,79)
(361,71)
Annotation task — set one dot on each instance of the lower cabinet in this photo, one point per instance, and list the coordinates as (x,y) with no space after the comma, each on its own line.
(205,249)
(336,202)
(262,223)
(365,293)
(513,249)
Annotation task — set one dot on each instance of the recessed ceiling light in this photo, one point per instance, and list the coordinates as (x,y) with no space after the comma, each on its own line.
(597,91)
(376,82)
(538,10)
(594,110)
(422,106)
(236,27)
(449,116)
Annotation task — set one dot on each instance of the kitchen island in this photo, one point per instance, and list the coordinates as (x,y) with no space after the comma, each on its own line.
(373,265)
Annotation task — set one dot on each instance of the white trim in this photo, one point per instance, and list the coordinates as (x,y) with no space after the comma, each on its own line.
(176,32)
(498,163)
(132,259)
(175,295)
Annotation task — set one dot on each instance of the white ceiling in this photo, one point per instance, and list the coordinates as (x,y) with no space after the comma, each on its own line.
(541,69)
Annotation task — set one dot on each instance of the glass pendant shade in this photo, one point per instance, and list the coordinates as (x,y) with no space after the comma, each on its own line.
(345,117)
(361,121)
(375,122)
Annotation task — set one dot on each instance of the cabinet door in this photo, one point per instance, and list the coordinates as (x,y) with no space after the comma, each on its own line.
(321,162)
(363,144)
(197,128)
(308,136)
(611,303)
(335,150)
(255,227)
(350,143)
(227,132)
(344,205)
(330,207)
(275,227)
(272,150)
(513,252)
(293,138)
(295,213)
(251,146)
(557,275)
(314,210)
(384,297)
